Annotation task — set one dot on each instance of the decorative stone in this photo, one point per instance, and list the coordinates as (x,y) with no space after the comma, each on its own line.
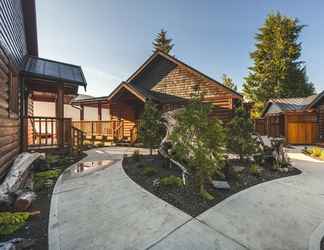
(238,169)
(221,184)
(156,182)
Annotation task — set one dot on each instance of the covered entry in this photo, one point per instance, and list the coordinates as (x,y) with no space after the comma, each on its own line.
(301,127)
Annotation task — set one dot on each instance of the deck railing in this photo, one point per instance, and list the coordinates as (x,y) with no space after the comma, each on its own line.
(43,132)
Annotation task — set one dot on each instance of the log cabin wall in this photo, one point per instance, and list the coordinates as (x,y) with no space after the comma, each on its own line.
(181,82)
(13,48)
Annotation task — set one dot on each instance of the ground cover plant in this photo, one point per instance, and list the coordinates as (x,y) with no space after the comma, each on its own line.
(33,224)
(315,152)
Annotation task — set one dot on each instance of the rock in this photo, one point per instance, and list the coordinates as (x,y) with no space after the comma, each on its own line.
(156,182)
(24,201)
(238,169)
(221,184)
(283,170)
(17,244)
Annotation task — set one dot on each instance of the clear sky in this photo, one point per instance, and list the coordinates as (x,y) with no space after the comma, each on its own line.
(110,39)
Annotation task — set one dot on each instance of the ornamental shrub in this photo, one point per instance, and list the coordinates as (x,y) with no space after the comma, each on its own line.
(171,181)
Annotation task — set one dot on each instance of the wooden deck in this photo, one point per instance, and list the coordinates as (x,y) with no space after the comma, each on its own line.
(107,131)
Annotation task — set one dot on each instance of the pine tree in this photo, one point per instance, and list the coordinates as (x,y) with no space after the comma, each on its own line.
(161,42)
(151,127)
(228,82)
(277,71)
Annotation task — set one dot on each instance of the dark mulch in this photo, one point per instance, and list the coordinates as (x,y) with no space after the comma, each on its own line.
(187,198)
(322,244)
(37,227)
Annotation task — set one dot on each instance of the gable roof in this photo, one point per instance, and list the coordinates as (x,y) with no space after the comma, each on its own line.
(53,70)
(290,104)
(179,63)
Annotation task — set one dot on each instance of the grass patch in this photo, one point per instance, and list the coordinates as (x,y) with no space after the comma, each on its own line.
(11,222)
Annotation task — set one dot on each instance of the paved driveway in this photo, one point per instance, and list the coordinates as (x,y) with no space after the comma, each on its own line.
(104,209)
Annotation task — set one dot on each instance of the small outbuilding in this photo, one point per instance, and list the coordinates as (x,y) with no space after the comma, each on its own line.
(299,120)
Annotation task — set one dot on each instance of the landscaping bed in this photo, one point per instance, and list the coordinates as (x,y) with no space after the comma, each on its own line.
(186,198)
(45,174)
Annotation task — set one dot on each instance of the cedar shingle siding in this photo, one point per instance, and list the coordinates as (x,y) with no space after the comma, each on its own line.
(174,78)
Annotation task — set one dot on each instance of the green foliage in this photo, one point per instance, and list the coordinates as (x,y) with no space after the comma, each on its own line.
(42,178)
(149,170)
(240,134)
(199,141)
(52,159)
(315,152)
(228,82)
(254,169)
(277,71)
(151,127)
(11,222)
(136,155)
(171,181)
(162,43)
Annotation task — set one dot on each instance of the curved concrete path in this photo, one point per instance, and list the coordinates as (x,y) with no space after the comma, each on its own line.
(104,209)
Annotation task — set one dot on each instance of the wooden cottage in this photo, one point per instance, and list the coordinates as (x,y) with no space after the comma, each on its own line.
(24,77)
(299,120)
(163,79)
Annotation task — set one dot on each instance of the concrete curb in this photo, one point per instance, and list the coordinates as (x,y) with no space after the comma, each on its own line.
(314,242)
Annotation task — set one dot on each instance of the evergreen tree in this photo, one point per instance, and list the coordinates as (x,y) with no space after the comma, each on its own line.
(198,141)
(228,82)
(151,127)
(161,42)
(277,71)
(239,134)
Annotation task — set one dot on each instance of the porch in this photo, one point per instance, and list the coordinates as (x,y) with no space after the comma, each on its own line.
(49,81)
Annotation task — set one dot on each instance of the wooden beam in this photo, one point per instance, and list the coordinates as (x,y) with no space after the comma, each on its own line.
(99,111)
(82,113)
(60,115)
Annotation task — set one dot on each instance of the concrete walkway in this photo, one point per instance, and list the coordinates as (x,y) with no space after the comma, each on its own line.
(104,209)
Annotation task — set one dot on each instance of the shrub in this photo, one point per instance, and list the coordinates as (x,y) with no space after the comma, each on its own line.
(322,155)
(316,152)
(151,126)
(254,169)
(42,178)
(240,134)
(149,170)
(136,155)
(199,142)
(171,181)
(11,222)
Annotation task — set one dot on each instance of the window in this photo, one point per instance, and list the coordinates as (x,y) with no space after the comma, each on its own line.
(13,93)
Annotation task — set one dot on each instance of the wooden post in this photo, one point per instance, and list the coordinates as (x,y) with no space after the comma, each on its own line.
(99,111)
(82,113)
(24,117)
(60,115)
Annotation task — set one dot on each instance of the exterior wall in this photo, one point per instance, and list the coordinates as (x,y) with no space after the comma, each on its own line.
(320,111)
(48,109)
(181,82)
(12,50)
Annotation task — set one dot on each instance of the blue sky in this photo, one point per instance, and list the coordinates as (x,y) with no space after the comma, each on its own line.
(110,39)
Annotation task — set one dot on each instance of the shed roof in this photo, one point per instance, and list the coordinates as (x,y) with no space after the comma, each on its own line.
(289,104)
(53,70)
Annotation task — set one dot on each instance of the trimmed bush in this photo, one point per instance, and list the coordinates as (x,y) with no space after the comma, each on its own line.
(254,170)
(136,155)
(316,152)
(171,181)
(149,170)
